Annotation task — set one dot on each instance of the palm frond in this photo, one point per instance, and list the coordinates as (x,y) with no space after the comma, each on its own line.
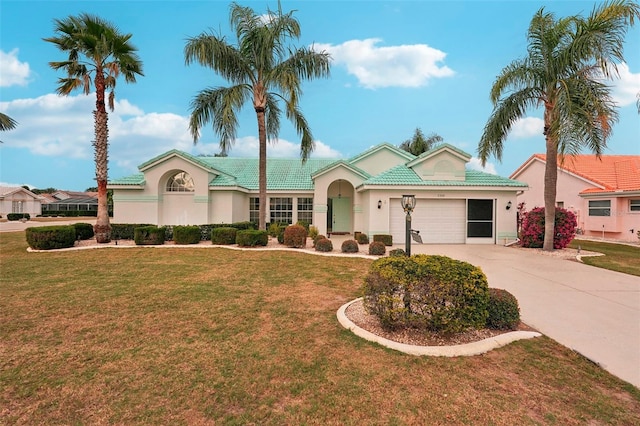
(7,123)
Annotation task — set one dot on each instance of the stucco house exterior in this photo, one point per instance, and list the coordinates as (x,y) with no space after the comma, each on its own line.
(16,199)
(604,192)
(454,205)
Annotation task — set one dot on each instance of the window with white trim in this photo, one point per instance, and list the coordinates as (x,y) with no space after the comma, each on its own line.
(634,205)
(305,210)
(180,182)
(254,209)
(600,208)
(281,210)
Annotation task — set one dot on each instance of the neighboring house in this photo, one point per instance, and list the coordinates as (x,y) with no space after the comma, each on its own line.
(65,201)
(604,192)
(16,199)
(454,205)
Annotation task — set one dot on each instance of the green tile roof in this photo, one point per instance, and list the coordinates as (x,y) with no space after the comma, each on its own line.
(403,175)
(137,179)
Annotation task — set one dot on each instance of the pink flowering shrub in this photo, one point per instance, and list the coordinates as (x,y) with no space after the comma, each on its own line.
(532,234)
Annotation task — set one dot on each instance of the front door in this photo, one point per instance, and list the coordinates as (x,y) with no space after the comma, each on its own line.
(341,215)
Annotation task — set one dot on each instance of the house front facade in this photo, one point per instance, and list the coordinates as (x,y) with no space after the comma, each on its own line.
(363,193)
(604,193)
(16,199)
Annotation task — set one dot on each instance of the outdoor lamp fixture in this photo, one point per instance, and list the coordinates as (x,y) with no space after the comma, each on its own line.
(408,204)
(508,205)
(379,204)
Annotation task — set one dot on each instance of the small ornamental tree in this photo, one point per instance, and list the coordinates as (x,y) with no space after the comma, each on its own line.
(532,234)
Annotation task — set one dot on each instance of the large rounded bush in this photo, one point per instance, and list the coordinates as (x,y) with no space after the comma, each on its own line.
(434,293)
(223,235)
(84,231)
(362,239)
(186,234)
(349,246)
(504,312)
(377,248)
(252,238)
(532,234)
(295,236)
(324,245)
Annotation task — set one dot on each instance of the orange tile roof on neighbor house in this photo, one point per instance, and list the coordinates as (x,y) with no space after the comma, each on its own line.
(609,173)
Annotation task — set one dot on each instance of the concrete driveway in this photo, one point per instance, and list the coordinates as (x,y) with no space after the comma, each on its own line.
(593,311)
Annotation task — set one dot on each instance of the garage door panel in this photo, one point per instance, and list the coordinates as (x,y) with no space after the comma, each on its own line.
(439,221)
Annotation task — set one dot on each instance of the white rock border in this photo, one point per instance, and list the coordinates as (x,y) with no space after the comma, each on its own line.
(467,349)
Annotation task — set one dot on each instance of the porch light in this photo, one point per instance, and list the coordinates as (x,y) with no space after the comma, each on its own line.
(379,204)
(508,205)
(408,204)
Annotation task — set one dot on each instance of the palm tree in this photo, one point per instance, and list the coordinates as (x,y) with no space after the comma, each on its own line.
(562,72)
(98,50)
(419,144)
(261,68)
(7,123)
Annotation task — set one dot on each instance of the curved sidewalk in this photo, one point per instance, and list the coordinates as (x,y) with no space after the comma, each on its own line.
(593,311)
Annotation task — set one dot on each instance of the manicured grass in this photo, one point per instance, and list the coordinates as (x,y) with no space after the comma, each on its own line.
(193,336)
(617,257)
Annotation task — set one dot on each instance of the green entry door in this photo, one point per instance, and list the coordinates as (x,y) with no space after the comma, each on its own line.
(341,215)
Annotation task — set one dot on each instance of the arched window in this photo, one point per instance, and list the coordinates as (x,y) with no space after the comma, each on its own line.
(180,182)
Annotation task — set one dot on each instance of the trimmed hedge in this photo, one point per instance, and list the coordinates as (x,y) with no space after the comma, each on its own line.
(186,234)
(384,238)
(324,245)
(252,238)
(223,236)
(504,312)
(84,231)
(18,216)
(362,239)
(125,231)
(377,248)
(295,236)
(435,293)
(149,235)
(350,246)
(51,237)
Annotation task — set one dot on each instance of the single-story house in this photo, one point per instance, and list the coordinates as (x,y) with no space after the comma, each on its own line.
(604,192)
(16,199)
(64,201)
(453,205)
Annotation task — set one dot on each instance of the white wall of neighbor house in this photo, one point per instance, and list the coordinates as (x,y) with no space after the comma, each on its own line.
(20,202)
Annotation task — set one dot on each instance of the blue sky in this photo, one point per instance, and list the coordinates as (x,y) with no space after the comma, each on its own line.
(397,65)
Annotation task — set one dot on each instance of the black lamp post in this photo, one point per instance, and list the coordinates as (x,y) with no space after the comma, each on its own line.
(408,204)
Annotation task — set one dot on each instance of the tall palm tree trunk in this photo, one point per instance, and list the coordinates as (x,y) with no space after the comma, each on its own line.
(262,169)
(102,228)
(550,180)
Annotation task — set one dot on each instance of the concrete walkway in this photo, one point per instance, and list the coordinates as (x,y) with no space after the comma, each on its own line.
(593,311)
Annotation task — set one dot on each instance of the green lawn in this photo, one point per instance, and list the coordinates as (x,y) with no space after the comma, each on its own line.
(215,336)
(617,257)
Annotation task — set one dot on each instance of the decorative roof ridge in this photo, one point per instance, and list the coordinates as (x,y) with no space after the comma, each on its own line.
(378,147)
(342,162)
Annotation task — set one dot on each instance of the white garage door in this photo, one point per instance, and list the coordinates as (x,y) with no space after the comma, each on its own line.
(439,221)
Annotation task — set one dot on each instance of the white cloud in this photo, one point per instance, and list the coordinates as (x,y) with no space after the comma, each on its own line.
(393,66)
(62,126)
(626,87)
(476,164)
(12,71)
(527,127)
(248,147)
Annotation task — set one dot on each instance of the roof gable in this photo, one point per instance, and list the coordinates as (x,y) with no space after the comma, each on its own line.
(6,191)
(197,161)
(444,162)
(380,158)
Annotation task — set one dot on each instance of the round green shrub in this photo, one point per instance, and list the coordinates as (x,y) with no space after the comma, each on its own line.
(504,312)
(274,229)
(295,236)
(84,231)
(51,237)
(324,245)
(434,293)
(223,236)
(377,248)
(304,224)
(362,239)
(397,252)
(350,246)
(252,238)
(186,234)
